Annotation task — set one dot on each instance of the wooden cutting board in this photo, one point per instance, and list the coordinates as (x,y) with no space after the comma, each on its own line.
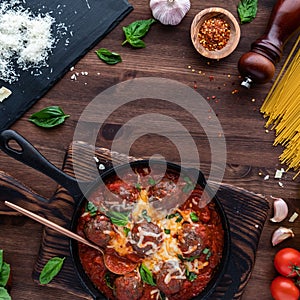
(246,212)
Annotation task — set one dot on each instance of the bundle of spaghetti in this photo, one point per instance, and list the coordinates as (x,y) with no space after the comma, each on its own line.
(282,108)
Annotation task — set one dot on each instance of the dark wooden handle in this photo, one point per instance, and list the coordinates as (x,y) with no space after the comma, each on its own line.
(14,191)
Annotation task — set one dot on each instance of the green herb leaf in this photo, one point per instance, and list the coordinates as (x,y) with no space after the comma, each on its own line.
(190,275)
(207,252)
(189,186)
(171,216)
(111,58)
(48,117)
(51,269)
(138,186)
(151,181)
(118,218)
(4,274)
(146,216)
(135,31)
(1,259)
(167,231)
(91,208)
(192,258)
(126,230)
(107,280)
(146,275)
(247,10)
(194,217)
(179,217)
(4,295)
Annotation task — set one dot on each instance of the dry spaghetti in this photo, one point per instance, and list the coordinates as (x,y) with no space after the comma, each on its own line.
(282,108)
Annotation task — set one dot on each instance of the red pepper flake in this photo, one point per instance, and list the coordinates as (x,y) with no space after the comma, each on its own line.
(208,98)
(213,97)
(195,85)
(211,78)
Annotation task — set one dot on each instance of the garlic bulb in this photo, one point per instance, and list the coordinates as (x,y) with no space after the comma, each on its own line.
(169,12)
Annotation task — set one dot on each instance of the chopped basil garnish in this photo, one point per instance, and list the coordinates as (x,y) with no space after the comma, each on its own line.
(51,269)
(138,186)
(171,216)
(189,185)
(194,217)
(207,252)
(192,258)
(146,275)
(118,218)
(126,230)
(146,216)
(179,217)
(190,275)
(151,181)
(108,281)
(91,208)
(167,231)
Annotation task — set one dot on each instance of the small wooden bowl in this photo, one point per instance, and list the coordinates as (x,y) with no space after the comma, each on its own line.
(234,37)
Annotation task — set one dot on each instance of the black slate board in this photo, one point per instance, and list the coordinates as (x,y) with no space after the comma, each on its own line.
(87,22)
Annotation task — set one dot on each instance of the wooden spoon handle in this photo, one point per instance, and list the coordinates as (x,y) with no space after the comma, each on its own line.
(52,225)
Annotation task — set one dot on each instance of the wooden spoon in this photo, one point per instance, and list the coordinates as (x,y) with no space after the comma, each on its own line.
(112,261)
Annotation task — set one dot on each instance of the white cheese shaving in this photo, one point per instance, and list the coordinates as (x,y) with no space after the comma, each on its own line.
(4,93)
(26,39)
(293,217)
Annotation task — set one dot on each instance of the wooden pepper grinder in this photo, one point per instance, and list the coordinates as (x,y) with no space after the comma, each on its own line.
(258,65)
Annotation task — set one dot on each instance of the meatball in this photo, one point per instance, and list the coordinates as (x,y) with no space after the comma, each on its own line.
(146,238)
(128,287)
(191,239)
(97,230)
(170,278)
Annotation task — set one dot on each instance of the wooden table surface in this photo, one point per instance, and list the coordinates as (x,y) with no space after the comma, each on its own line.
(168,54)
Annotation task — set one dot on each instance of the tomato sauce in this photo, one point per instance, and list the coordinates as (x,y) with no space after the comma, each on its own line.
(160,226)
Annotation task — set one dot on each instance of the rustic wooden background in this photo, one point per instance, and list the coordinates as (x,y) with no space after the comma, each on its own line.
(169,53)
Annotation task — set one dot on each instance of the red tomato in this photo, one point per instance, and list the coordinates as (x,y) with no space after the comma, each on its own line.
(287,262)
(283,288)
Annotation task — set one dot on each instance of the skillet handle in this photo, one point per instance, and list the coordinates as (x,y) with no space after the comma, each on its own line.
(14,191)
(30,156)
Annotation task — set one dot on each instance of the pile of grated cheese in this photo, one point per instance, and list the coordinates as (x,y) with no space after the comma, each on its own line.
(26,39)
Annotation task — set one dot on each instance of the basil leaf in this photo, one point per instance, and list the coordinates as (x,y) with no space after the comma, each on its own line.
(107,280)
(91,208)
(151,181)
(146,275)
(1,259)
(194,217)
(138,186)
(190,275)
(48,117)
(135,31)
(207,252)
(126,231)
(111,58)
(51,269)
(247,10)
(118,218)
(4,274)
(192,258)
(167,231)
(4,295)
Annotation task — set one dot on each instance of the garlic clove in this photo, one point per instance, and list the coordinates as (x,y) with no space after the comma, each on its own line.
(280,210)
(281,234)
(169,12)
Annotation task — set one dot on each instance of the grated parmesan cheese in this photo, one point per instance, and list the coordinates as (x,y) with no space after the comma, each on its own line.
(26,40)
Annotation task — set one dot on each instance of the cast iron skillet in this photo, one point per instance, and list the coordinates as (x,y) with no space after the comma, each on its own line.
(28,155)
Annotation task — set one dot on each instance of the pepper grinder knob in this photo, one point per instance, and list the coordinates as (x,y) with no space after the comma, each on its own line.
(258,65)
